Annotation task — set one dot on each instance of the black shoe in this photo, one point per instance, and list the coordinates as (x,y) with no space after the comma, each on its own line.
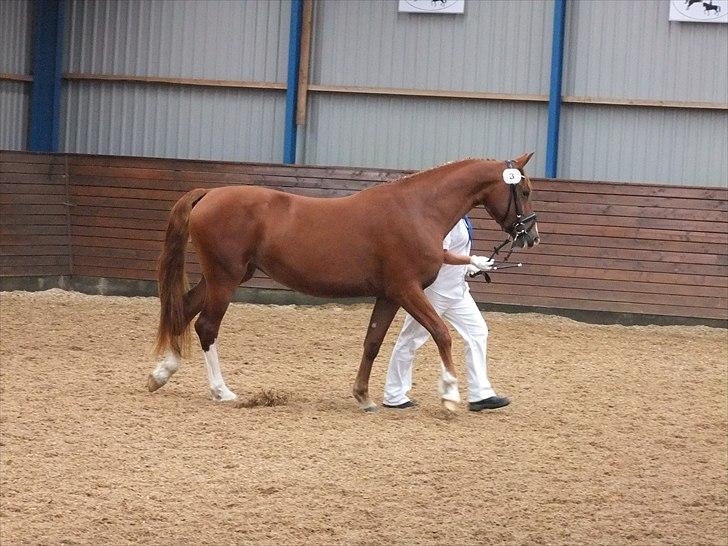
(403,405)
(493,402)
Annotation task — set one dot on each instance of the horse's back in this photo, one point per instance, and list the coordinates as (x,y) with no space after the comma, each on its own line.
(343,246)
(291,238)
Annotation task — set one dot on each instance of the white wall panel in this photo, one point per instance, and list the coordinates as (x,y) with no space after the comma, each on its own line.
(666,146)
(16,19)
(14,100)
(219,40)
(397,132)
(496,46)
(227,40)
(629,49)
(166,121)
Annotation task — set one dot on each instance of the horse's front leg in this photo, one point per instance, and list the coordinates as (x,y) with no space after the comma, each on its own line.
(382,316)
(415,302)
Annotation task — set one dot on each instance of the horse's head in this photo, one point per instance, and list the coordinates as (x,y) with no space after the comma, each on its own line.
(509,203)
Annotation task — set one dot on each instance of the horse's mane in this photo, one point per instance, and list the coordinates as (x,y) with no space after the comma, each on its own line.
(442,168)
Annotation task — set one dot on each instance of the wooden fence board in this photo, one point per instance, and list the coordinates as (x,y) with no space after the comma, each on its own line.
(628,199)
(632,248)
(156,246)
(626,276)
(34,249)
(33,270)
(32,168)
(675,213)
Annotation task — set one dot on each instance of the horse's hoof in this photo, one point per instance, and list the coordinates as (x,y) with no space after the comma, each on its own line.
(371,408)
(450,406)
(223,395)
(153,384)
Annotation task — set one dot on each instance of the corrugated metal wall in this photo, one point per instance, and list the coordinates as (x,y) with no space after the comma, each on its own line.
(629,144)
(615,50)
(226,40)
(239,41)
(16,17)
(370,44)
(359,42)
(630,50)
(416,133)
(169,121)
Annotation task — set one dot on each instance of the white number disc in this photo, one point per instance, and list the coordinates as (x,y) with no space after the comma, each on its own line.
(512,176)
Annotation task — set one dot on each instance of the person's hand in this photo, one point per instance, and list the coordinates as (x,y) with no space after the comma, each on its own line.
(482,263)
(471,270)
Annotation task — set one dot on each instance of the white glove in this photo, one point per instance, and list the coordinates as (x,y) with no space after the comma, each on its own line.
(482,263)
(470,270)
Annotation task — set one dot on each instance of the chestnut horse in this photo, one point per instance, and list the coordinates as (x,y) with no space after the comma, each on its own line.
(385,241)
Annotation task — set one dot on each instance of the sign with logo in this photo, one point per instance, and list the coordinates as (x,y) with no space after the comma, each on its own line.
(699,11)
(432,6)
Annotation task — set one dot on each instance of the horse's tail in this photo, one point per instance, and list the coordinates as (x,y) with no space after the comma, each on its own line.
(173,332)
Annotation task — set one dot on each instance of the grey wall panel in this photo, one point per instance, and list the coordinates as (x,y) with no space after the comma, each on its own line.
(496,46)
(623,49)
(14,99)
(228,40)
(16,18)
(397,132)
(166,121)
(670,146)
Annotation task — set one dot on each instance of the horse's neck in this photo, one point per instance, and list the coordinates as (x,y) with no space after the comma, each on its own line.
(448,195)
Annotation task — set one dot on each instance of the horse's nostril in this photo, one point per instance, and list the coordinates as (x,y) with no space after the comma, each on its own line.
(536,240)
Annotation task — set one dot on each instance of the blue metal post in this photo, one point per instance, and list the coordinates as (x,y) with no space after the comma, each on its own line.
(557,63)
(294,59)
(45,97)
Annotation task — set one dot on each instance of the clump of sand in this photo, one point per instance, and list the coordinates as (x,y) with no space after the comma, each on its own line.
(264,398)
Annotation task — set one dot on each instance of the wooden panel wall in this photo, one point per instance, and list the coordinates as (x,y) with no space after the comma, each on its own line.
(624,248)
(34,221)
(659,250)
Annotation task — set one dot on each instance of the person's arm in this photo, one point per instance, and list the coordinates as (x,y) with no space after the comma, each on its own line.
(455,259)
(480,262)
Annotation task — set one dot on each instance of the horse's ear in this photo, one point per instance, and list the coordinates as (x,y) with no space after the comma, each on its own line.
(522,160)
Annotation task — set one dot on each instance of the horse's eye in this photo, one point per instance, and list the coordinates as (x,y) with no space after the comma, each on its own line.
(526,193)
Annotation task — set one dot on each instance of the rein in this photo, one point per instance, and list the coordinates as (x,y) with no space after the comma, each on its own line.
(520,228)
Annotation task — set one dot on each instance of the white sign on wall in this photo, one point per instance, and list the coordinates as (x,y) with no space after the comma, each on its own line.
(432,6)
(699,11)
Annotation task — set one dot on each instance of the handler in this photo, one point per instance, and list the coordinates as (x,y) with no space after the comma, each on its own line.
(450,296)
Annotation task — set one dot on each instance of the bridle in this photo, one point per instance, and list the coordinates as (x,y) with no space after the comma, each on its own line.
(520,228)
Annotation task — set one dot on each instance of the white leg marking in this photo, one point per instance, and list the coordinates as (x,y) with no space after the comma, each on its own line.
(449,390)
(166,368)
(218,388)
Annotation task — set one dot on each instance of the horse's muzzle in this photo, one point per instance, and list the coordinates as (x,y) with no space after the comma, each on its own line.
(524,232)
(527,240)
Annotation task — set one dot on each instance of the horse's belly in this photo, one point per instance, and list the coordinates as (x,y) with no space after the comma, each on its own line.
(324,285)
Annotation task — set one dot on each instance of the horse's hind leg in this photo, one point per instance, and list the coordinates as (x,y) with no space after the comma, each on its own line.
(170,362)
(382,315)
(207,327)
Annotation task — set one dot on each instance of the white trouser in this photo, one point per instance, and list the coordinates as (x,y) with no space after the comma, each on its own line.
(466,318)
